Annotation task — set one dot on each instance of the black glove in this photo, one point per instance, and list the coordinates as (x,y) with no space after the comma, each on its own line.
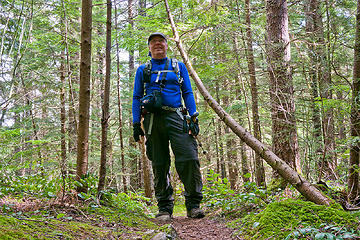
(194,126)
(137,131)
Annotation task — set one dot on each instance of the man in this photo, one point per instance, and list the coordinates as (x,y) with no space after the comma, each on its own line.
(168,124)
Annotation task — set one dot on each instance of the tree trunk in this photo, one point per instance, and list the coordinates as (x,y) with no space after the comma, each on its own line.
(232,159)
(72,123)
(146,169)
(216,140)
(353,182)
(133,163)
(320,78)
(62,123)
(284,134)
(289,174)
(230,152)
(259,167)
(144,165)
(220,149)
(105,105)
(245,171)
(312,22)
(84,93)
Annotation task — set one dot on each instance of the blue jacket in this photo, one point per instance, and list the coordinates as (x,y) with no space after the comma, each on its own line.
(171,94)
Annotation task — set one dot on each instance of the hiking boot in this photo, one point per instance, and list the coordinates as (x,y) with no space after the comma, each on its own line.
(196,213)
(163,216)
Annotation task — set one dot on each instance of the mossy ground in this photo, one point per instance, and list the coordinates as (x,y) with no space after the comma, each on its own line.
(129,217)
(35,228)
(279,219)
(125,218)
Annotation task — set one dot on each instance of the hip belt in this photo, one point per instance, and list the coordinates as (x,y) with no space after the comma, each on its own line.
(181,111)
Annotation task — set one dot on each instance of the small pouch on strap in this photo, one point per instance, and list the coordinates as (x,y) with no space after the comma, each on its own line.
(153,101)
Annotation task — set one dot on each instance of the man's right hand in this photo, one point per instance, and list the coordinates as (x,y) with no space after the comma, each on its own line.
(137,131)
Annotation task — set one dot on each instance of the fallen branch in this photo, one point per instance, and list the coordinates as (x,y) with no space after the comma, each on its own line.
(290,175)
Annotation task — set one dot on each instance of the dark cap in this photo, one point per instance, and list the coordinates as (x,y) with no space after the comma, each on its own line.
(156,34)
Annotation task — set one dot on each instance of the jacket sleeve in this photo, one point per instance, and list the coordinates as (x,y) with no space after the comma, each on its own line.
(187,92)
(137,94)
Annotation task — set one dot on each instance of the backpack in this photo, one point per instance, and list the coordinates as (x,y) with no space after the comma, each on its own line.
(153,102)
(148,67)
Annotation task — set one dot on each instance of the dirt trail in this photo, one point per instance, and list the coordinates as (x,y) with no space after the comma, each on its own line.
(201,229)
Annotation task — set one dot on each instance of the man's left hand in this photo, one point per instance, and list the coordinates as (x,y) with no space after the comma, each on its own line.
(194,128)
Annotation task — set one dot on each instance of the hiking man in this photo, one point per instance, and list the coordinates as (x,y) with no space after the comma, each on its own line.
(165,83)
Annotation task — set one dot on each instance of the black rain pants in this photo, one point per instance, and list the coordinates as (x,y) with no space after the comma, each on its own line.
(166,127)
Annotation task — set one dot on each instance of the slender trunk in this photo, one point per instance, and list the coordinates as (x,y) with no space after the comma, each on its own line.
(218,166)
(230,152)
(240,91)
(133,165)
(353,182)
(312,22)
(84,93)
(244,163)
(105,105)
(300,183)
(231,155)
(321,81)
(259,167)
(72,124)
(146,169)
(220,149)
(144,165)
(63,124)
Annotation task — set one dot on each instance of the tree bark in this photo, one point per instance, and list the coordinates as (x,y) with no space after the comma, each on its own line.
(284,134)
(84,93)
(244,163)
(105,106)
(62,123)
(353,182)
(259,167)
(72,123)
(320,78)
(220,146)
(146,169)
(300,183)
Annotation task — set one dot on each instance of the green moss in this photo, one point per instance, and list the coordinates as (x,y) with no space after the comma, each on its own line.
(280,218)
(31,228)
(128,219)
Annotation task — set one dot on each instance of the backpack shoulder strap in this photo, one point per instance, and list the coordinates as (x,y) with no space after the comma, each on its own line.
(175,66)
(147,72)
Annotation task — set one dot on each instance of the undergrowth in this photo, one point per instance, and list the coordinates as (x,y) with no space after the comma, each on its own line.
(252,211)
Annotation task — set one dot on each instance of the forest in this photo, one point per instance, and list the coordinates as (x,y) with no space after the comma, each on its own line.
(276,85)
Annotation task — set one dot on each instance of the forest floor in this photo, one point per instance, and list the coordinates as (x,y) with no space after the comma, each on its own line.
(35,219)
(132,218)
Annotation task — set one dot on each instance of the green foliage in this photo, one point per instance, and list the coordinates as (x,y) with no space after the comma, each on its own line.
(219,195)
(323,232)
(130,210)
(35,184)
(280,219)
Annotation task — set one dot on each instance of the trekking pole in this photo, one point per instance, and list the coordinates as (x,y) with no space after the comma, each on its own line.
(192,118)
(200,145)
